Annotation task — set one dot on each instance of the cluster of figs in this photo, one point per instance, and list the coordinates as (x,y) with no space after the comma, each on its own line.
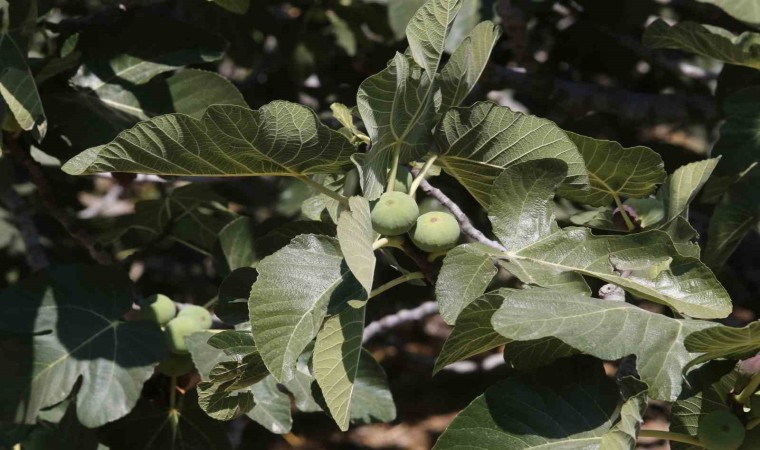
(177,325)
(430,225)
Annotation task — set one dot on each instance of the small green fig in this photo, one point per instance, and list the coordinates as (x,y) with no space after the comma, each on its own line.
(429,204)
(177,330)
(176,365)
(404,179)
(721,430)
(394,214)
(197,313)
(435,232)
(158,308)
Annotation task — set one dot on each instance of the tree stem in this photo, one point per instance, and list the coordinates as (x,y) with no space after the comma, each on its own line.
(669,436)
(623,213)
(173,393)
(394,169)
(319,187)
(750,389)
(421,175)
(395,282)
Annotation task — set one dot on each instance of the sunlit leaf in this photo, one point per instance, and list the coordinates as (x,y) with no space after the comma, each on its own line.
(464,276)
(288,302)
(656,340)
(280,138)
(427,31)
(725,342)
(356,237)
(18,89)
(478,142)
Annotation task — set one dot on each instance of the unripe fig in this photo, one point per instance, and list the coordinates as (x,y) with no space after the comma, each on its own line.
(176,365)
(177,330)
(394,213)
(158,308)
(435,232)
(197,313)
(721,430)
(351,183)
(404,179)
(429,204)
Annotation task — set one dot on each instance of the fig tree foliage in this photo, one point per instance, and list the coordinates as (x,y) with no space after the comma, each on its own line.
(518,229)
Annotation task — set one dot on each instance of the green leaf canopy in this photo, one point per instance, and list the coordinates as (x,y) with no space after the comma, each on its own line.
(280,138)
(64,325)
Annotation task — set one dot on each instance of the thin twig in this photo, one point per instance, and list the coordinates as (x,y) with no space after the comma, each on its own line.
(79,234)
(401,317)
(464,222)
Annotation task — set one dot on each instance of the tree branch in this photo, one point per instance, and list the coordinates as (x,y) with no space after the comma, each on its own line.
(403,316)
(464,222)
(79,234)
(575,98)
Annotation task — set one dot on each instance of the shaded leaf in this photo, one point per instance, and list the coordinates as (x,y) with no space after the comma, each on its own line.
(400,12)
(186,427)
(272,409)
(683,185)
(291,296)
(521,209)
(478,142)
(221,404)
(280,138)
(18,89)
(730,223)
(623,436)
(724,342)
(615,171)
(465,274)
(235,6)
(656,340)
(204,356)
(705,40)
(68,327)
(356,237)
(540,410)
(336,362)
(237,243)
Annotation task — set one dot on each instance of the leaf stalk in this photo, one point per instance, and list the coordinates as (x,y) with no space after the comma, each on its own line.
(323,189)
(395,282)
(421,175)
(670,436)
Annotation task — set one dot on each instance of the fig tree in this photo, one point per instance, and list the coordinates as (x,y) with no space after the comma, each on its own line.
(158,308)
(197,313)
(176,365)
(394,213)
(721,430)
(435,232)
(177,330)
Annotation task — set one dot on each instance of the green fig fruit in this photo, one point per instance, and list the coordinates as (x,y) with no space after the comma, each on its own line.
(721,430)
(429,204)
(158,308)
(176,365)
(435,232)
(197,313)
(177,330)
(394,214)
